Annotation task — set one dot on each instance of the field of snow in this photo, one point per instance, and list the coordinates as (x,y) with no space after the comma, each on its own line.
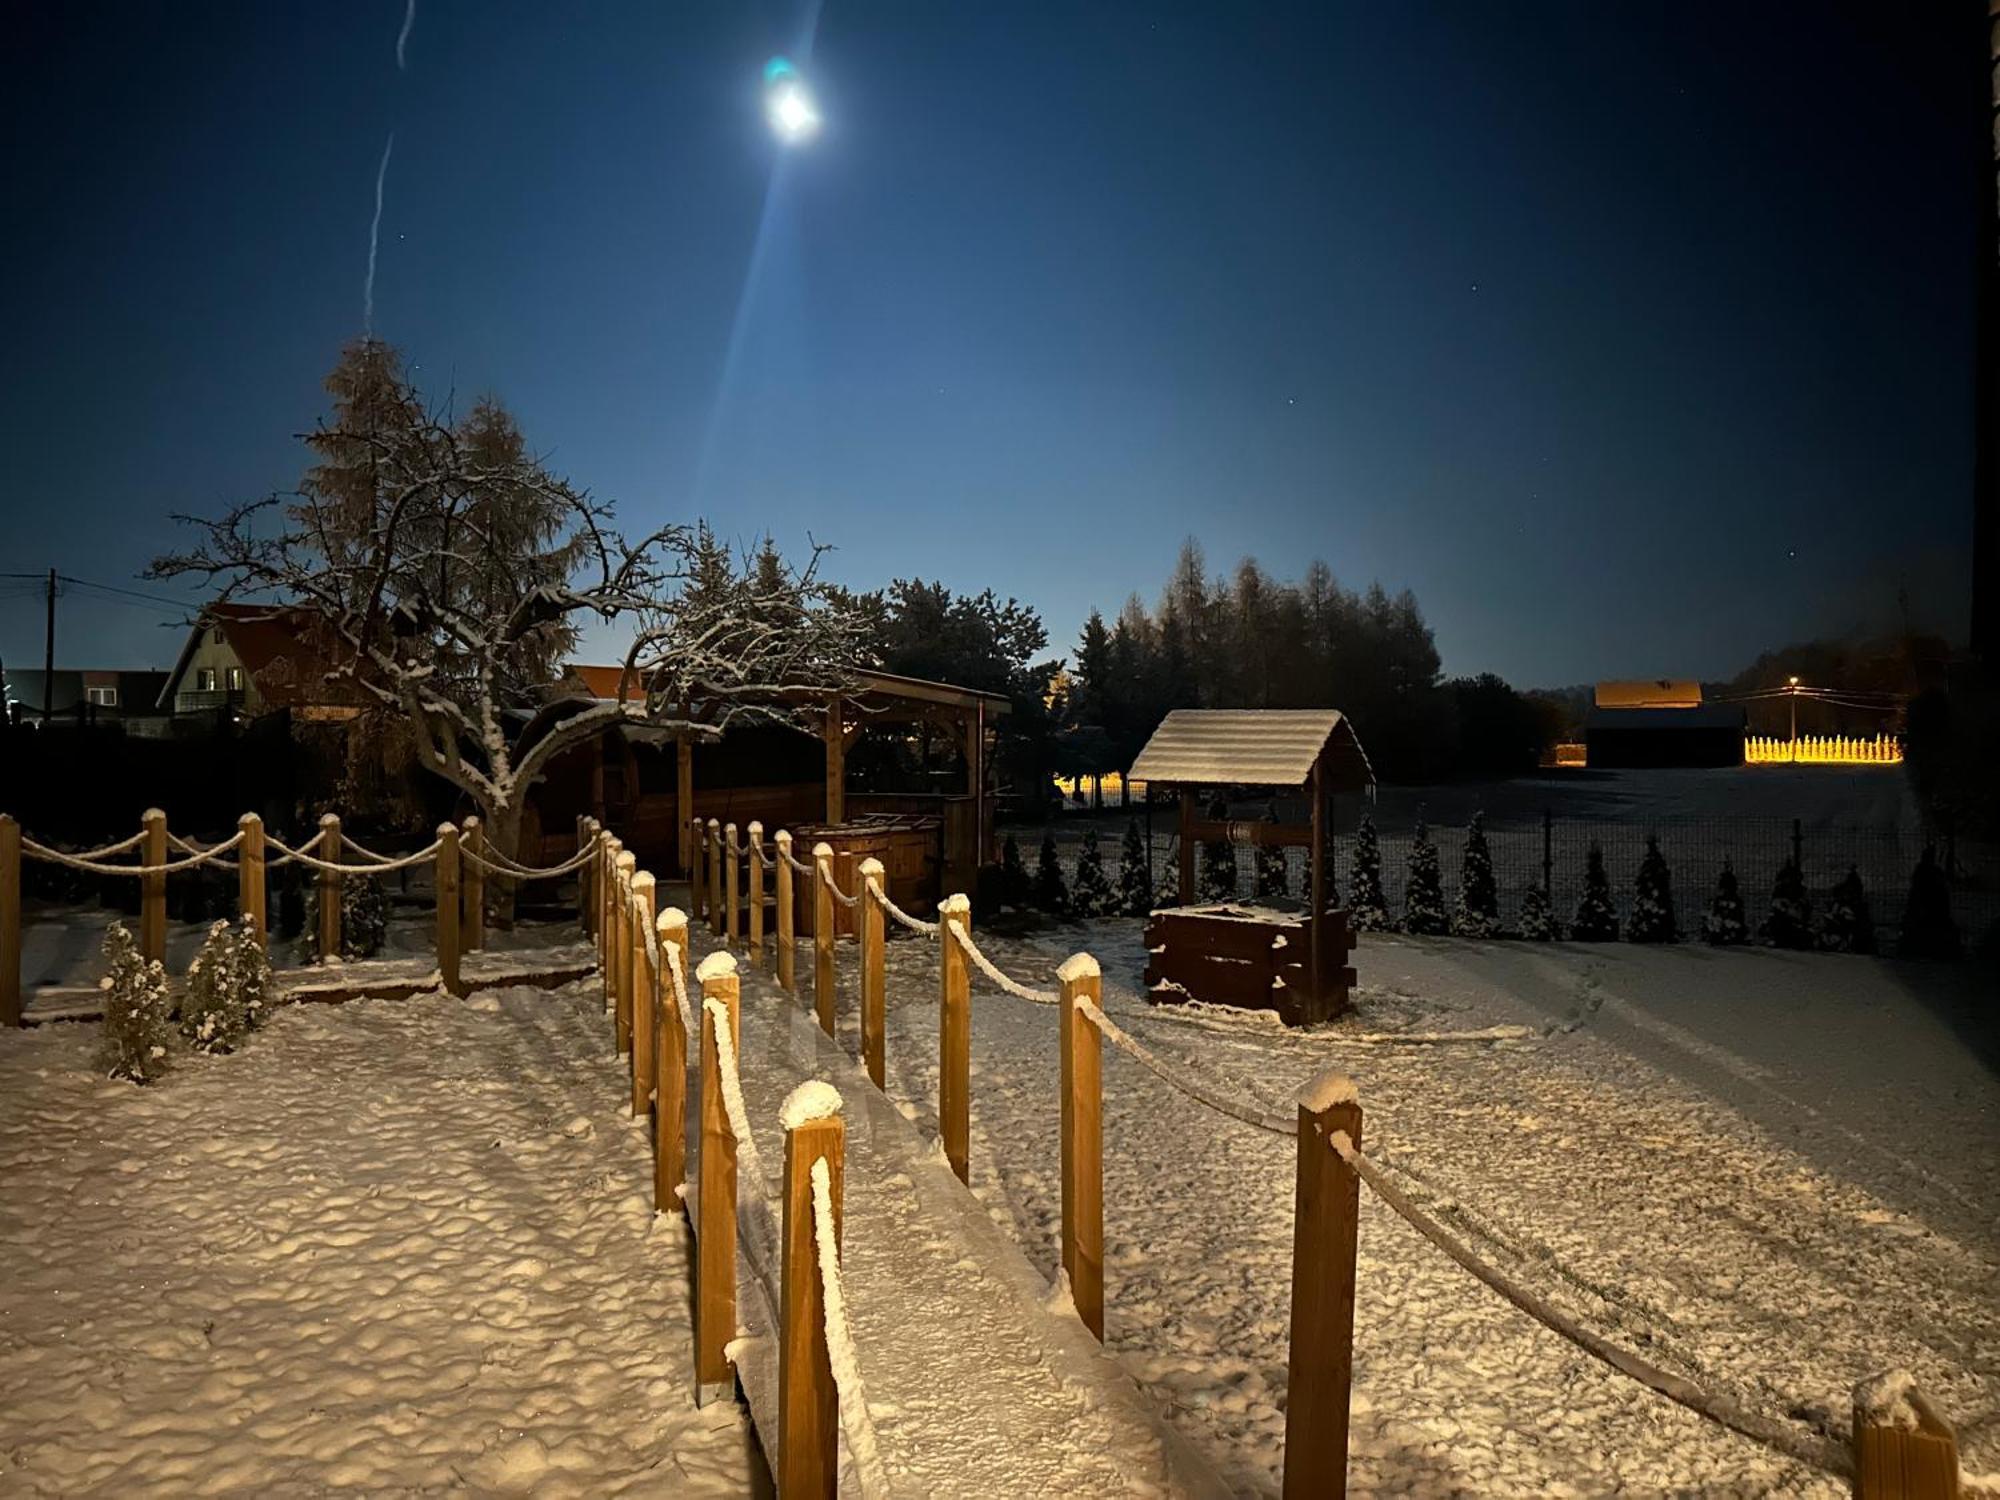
(390,1247)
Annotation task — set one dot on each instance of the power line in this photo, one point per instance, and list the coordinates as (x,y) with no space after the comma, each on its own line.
(112,588)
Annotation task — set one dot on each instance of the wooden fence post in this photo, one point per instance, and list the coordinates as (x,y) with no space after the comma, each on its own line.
(715,879)
(447,909)
(955,1037)
(621,997)
(754,893)
(250,876)
(645,989)
(732,877)
(787,927)
(808,1400)
(874,1040)
(1323,1231)
(670,1069)
(330,845)
(473,882)
(1082,1141)
(600,888)
(715,1235)
(583,873)
(10,921)
(697,873)
(153,888)
(825,1003)
(1894,1461)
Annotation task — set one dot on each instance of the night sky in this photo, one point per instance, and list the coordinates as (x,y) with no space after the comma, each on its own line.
(1636,338)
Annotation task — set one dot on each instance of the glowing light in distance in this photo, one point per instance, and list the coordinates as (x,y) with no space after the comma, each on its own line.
(788,103)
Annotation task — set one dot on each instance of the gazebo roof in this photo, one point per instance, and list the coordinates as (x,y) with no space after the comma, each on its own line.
(1254,746)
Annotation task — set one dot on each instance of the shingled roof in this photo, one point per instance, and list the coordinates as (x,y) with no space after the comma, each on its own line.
(1254,747)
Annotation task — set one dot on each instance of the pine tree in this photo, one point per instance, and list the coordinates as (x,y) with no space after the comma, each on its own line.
(364,916)
(213,1018)
(1848,926)
(1538,918)
(1218,871)
(1928,928)
(1596,918)
(1092,895)
(1051,891)
(252,973)
(1274,876)
(1478,913)
(1423,894)
(1135,881)
(1014,884)
(1367,907)
(1725,924)
(1167,889)
(1789,922)
(138,1021)
(1653,899)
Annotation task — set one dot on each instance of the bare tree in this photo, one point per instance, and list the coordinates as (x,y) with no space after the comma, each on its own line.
(448,571)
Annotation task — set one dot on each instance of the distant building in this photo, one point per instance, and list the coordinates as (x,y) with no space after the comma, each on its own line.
(1661,723)
(88,696)
(254,659)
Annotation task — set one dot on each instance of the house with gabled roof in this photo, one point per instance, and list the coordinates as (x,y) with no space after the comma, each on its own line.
(249,660)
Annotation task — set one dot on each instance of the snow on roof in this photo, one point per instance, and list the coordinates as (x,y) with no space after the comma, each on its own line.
(1253,746)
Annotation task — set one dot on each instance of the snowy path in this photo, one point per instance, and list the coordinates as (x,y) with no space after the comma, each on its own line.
(1680,1175)
(977,1388)
(390,1247)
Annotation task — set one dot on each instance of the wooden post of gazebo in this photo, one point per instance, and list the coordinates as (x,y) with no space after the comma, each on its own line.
(836,758)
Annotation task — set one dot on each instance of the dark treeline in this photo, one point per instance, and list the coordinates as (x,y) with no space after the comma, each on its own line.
(1251,641)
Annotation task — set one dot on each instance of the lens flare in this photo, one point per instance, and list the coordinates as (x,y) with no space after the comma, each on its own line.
(788,103)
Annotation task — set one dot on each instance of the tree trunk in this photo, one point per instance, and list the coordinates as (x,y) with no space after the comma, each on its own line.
(502,822)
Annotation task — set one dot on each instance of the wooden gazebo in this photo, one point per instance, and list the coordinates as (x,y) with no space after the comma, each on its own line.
(1233,954)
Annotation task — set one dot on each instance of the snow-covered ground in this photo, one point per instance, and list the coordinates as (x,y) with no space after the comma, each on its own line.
(1775,1173)
(390,1247)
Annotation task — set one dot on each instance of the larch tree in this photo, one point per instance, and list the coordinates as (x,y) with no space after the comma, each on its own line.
(447,571)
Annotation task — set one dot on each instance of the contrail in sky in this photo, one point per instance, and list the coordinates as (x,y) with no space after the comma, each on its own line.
(403,37)
(374,237)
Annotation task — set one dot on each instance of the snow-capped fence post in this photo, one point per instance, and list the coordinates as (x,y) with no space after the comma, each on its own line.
(874,1042)
(153,888)
(10,921)
(715,1234)
(1082,1067)
(621,958)
(1903,1449)
(732,877)
(787,927)
(645,988)
(474,923)
(670,1069)
(808,1400)
(715,878)
(447,909)
(754,893)
(250,875)
(955,1037)
(823,976)
(329,888)
(1325,1219)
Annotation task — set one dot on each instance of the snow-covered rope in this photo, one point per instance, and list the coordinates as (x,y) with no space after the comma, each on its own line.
(1720,1409)
(797,864)
(1215,1096)
(348,846)
(854,1418)
(748,1164)
(330,867)
(122,846)
(537,872)
(915,924)
(986,966)
(189,846)
(513,871)
(285,856)
(832,885)
(96,867)
(680,990)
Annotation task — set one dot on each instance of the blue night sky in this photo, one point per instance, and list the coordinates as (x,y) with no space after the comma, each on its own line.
(1635,338)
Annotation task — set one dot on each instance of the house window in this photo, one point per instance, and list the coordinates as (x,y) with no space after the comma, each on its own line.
(232,678)
(204,679)
(102,697)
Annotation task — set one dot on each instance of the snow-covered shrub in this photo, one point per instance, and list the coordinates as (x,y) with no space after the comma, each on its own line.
(1367,907)
(1725,923)
(1653,899)
(1848,926)
(1423,893)
(138,1015)
(1789,922)
(1135,881)
(1014,884)
(1538,918)
(1596,919)
(1928,928)
(1167,889)
(1092,895)
(213,1018)
(1273,873)
(1218,872)
(364,916)
(251,968)
(1051,890)
(1478,912)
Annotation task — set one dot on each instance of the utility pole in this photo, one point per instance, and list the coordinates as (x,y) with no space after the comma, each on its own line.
(49,655)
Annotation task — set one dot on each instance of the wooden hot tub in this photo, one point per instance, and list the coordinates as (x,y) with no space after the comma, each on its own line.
(1254,957)
(912,855)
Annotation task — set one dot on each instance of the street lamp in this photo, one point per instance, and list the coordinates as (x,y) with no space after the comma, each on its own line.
(1793,684)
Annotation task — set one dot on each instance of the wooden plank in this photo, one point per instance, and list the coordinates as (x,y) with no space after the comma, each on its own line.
(955,1038)
(1325,1221)
(874,987)
(1082,1141)
(715,1240)
(808,1400)
(1893,1462)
